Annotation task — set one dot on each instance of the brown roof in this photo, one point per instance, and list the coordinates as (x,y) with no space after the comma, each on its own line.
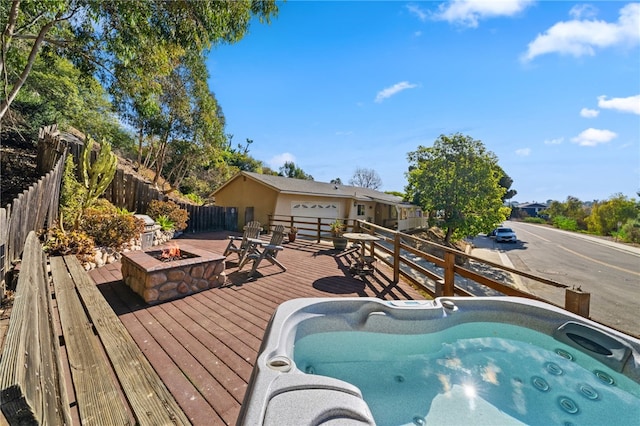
(322,189)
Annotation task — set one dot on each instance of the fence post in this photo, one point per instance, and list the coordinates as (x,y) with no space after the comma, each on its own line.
(449,273)
(577,301)
(319,225)
(396,257)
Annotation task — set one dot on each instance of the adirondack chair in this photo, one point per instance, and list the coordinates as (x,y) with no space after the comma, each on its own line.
(240,245)
(267,252)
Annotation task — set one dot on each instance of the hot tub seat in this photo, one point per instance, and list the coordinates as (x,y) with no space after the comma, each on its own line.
(300,400)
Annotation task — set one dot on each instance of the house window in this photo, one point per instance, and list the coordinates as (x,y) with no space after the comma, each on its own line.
(360,209)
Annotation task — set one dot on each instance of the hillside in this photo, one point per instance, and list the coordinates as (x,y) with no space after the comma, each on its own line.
(18,170)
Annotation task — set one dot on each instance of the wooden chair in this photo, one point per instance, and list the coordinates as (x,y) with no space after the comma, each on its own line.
(240,245)
(267,252)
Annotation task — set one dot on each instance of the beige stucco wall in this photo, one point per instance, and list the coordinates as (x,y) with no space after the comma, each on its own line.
(243,192)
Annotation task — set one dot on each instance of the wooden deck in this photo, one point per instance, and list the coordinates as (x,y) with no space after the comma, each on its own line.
(204,346)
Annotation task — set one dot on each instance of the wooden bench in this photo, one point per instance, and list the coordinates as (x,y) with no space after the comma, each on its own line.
(72,333)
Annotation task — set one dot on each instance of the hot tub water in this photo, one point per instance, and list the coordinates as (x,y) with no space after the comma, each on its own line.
(473,373)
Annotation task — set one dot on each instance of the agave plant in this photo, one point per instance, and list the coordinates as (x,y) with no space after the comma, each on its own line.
(165,223)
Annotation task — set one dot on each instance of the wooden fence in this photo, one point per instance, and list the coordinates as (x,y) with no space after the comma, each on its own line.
(33,210)
(133,193)
(37,207)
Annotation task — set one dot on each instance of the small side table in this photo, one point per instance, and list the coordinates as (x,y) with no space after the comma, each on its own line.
(363,265)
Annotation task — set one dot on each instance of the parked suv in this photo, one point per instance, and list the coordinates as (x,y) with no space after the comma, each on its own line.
(505,235)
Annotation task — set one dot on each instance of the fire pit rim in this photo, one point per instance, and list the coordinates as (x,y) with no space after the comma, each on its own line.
(151,264)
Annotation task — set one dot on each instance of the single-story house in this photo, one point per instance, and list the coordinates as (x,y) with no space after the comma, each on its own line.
(532,209)
(259,196)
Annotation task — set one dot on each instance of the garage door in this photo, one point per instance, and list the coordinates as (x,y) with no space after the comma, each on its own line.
(326,210)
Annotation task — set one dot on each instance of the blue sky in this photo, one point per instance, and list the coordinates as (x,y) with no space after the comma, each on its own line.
(551,87)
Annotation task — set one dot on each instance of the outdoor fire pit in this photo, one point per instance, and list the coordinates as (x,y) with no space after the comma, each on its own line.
(172,273)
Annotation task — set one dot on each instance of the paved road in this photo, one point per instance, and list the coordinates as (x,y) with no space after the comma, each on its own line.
(608,270)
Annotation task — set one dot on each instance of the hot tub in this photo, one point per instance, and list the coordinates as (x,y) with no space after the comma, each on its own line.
(481,361)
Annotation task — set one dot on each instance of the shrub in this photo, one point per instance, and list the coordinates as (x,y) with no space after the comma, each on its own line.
(631,231)
(124,211)
(170,209)
(534,220)
(165,223)
(61,243)
(111,229)
(566,223)
(194,198)
(105,206)
(72,194)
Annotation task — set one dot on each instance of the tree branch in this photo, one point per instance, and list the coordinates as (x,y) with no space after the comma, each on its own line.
(7,34)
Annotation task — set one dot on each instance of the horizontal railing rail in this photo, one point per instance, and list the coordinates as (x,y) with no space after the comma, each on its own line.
(317,228)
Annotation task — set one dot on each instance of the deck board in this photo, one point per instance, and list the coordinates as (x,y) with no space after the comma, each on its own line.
(204,346)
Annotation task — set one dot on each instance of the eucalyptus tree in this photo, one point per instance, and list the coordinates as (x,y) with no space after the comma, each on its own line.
(457,180)
(202,130)
(290,170)
(116,39)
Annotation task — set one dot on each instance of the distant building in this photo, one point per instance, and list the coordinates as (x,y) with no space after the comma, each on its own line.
(531,209)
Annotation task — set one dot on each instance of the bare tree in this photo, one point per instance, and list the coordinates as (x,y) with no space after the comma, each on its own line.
(366,178)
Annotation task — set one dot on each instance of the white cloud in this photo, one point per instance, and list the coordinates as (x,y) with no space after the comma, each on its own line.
(593,137)
(278,161)
(523,152)
(589,113)
(556,141)
(581,37)
(396,88)
(469,12)
(344,133)
(630,104)
(416,10)
(580,11)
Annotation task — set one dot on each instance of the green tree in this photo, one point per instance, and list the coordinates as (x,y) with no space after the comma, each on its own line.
(58,93)
(605,216)
(290,170)
(239,158)
(112,38)
(189,124)
(457,179)
(397,194)
(506,182)
(571,208)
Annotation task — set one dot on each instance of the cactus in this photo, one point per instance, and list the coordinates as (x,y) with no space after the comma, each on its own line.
(96,177)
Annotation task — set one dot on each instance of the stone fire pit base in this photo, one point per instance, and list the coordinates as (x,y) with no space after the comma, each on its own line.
(156,281)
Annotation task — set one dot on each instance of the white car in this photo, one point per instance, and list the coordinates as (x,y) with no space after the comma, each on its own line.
(505,235)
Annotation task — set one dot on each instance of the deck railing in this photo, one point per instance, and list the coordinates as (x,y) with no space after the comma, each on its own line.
(434,268)
(316,228)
